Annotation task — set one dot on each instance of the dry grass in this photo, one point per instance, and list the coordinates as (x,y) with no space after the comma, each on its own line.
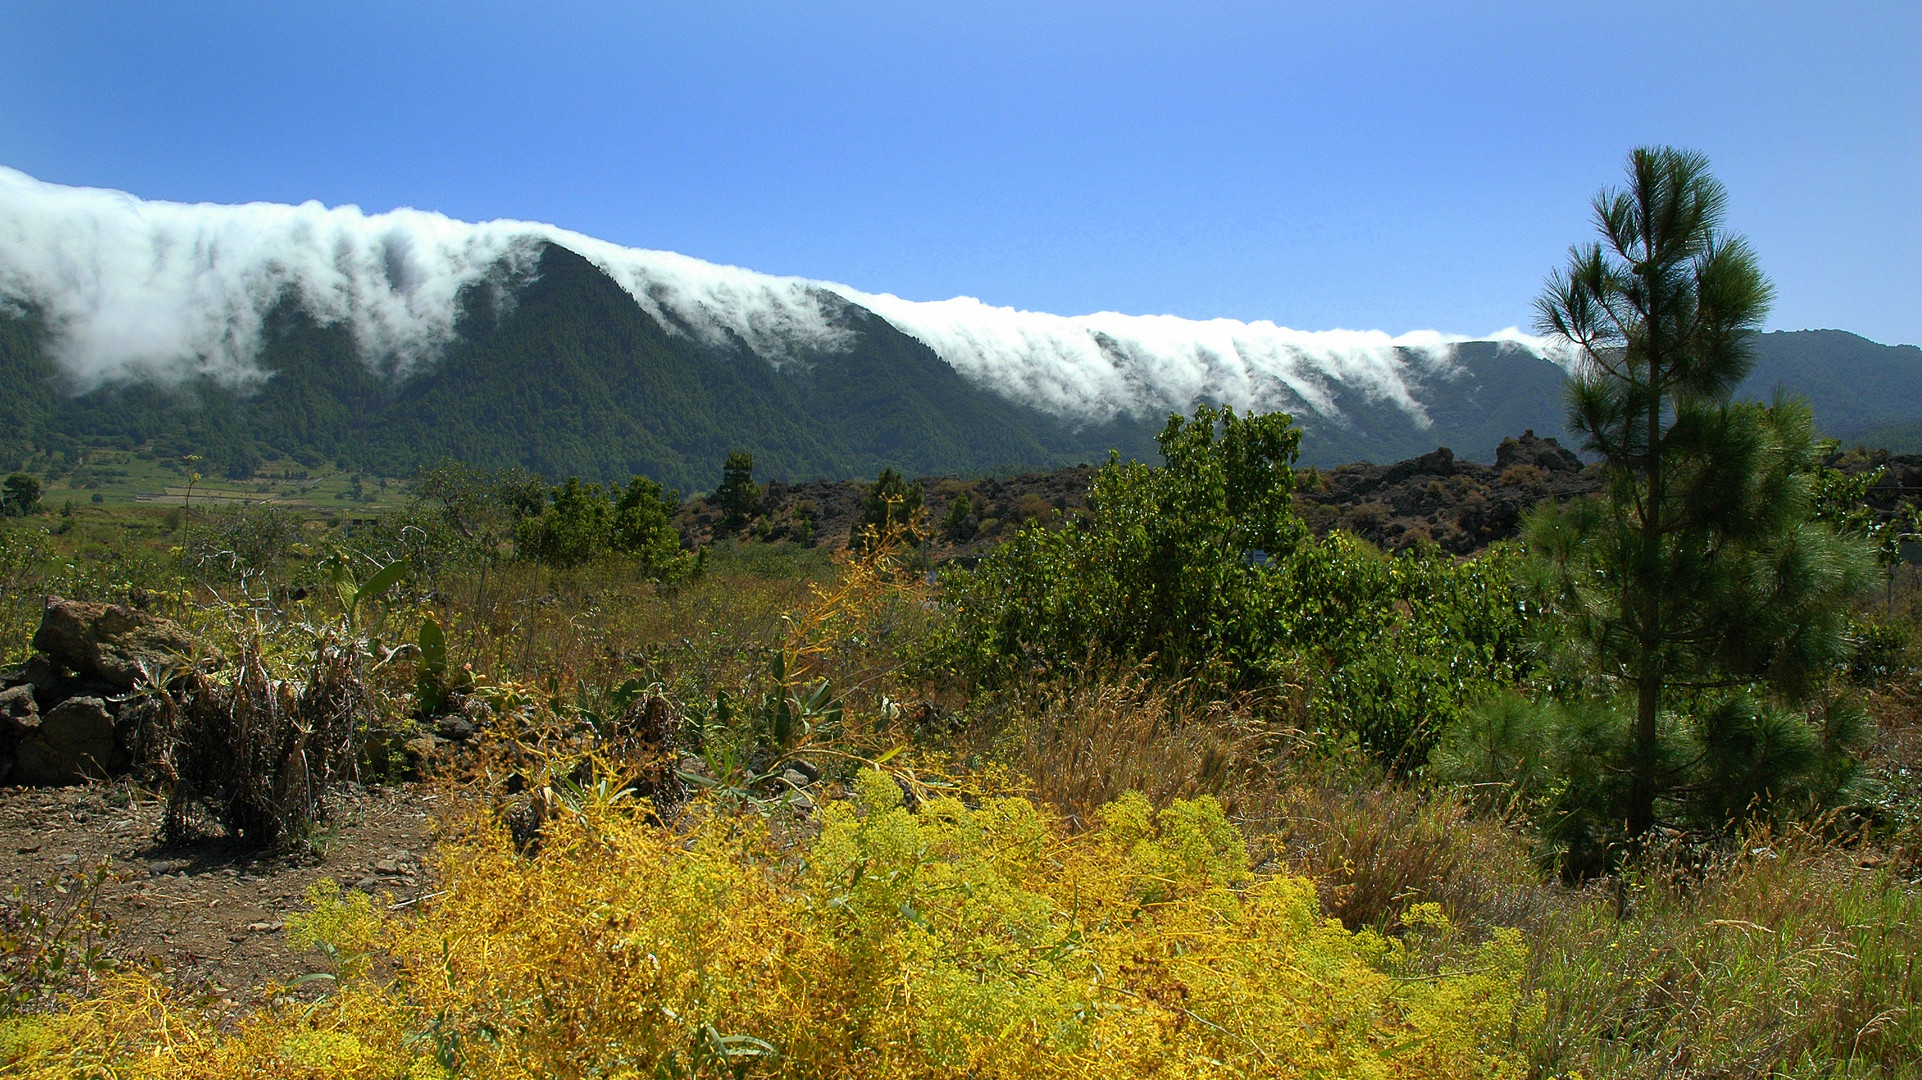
(1375,847)
(1782,958)
(1082,743)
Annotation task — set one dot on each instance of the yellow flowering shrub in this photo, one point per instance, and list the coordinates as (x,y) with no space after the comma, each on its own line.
(947,941)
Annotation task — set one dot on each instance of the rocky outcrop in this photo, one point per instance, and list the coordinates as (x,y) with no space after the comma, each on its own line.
(1435,499)
(19,721)
(1457,505)
(117,645)
(1544,454)
(61,712)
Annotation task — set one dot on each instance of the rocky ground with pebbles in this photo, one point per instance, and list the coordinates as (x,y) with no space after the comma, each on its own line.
(208,911)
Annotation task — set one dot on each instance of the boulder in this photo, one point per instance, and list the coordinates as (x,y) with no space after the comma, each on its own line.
(19,720)
(73,741)
(110,642)
(19,713)
(37,671)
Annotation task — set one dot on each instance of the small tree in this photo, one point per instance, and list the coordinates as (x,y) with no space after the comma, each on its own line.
(642,529)
(892,505)
(738,495)
(20,494)
(1700,576)
(960,516)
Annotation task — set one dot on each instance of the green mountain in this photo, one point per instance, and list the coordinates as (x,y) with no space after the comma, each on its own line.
(1857,386)
(567,374)
(1497,391)
(571,378)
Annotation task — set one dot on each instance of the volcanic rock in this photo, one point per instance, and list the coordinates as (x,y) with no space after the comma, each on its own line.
(72,742)
(111,643)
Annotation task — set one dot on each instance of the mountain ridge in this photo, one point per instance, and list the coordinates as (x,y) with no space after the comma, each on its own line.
(562,372)
(384,341)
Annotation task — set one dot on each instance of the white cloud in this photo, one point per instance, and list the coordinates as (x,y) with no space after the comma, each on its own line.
(148,289)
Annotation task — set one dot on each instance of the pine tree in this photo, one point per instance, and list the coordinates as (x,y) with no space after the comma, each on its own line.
(892,507)
(1700,576)
(738,495)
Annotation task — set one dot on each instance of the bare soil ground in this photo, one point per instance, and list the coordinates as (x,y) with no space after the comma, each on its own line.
(210,913)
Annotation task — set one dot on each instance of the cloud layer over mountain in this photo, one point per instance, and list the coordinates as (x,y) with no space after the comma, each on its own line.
(147,289)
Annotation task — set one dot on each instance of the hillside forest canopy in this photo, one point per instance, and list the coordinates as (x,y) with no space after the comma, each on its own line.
(1166,773)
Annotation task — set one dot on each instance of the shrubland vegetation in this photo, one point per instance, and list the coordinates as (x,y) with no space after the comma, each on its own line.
(1170,788)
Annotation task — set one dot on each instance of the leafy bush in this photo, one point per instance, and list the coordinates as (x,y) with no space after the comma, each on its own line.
(1201,566)
(582,523)
(1408,643)
(52,940)
(1165,566)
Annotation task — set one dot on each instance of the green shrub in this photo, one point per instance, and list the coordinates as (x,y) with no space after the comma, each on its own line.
(582,523)
(1164,566)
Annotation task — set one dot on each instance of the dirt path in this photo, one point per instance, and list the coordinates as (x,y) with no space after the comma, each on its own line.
(211,914)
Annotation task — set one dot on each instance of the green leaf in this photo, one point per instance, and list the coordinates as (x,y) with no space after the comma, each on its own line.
(383,579)
(344,586)
(433,647)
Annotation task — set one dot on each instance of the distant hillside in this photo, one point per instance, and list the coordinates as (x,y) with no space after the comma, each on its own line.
(1857,386)
(565,374)
(240,332)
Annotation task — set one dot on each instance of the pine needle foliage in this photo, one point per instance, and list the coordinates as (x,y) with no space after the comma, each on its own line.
(1702,569)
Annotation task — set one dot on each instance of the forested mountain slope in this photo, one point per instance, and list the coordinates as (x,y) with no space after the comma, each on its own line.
(560,370)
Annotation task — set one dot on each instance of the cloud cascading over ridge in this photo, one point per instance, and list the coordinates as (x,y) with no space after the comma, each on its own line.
(138,289)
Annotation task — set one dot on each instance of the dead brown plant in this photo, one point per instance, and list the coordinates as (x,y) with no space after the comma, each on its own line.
(256,747)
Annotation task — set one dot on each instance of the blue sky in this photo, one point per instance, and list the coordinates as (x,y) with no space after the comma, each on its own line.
(1359,165)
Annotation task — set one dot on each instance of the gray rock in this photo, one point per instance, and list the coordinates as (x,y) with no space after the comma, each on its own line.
(110,642)
(74,741)
(19,713)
